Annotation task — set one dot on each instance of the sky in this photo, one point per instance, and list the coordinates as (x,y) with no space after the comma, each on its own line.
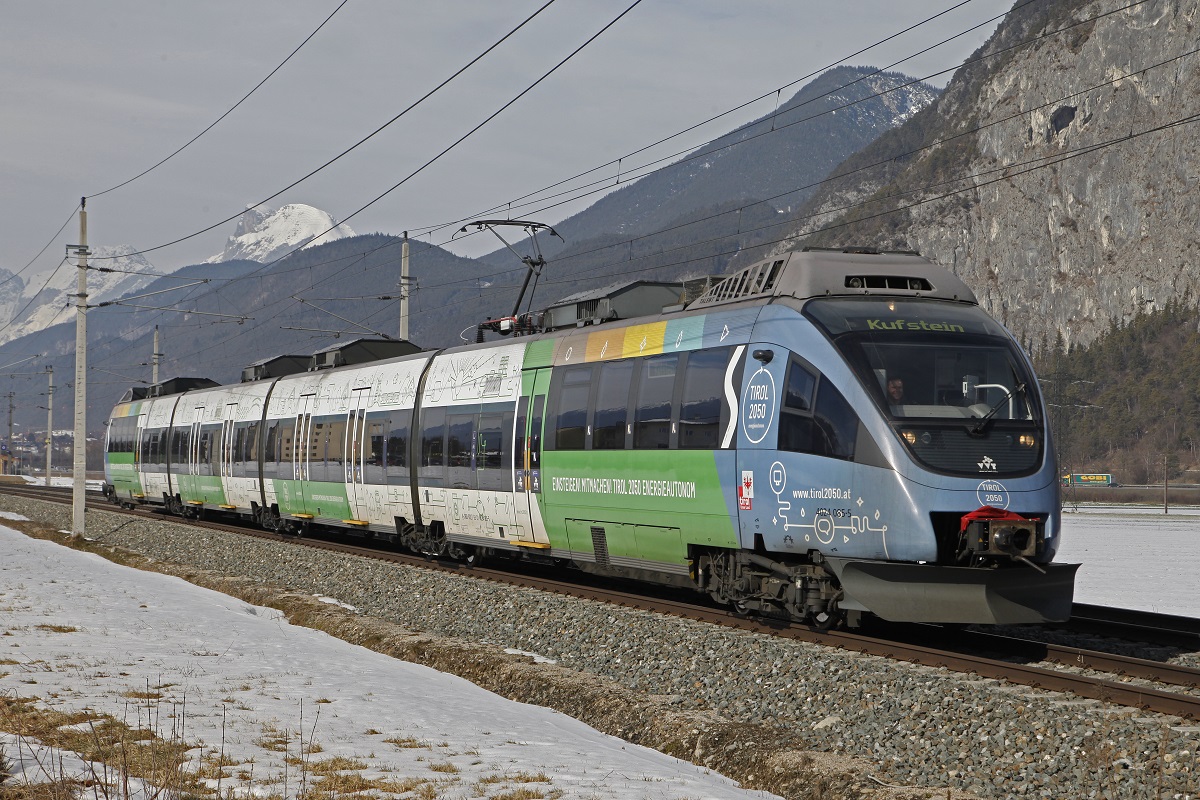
(243,676)
(92,94)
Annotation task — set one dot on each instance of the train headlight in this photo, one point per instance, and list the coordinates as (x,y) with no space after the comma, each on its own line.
(909,437)
(1027,440)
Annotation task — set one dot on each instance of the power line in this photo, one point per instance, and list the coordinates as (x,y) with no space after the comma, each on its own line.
(465,136)
(234,107)
(361,141)
(507,271)
(180,149)
(469,133)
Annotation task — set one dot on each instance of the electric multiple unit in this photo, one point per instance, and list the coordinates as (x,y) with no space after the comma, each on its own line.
(819,435)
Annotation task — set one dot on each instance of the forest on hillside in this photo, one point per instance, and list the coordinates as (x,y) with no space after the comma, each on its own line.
(1128,403)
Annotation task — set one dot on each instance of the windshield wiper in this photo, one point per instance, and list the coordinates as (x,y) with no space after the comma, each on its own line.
(978,428)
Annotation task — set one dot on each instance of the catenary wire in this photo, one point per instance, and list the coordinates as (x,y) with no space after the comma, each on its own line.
(361,141)
(509,271)
(234,107)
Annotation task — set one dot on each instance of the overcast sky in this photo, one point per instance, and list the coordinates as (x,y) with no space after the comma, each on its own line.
(92,93)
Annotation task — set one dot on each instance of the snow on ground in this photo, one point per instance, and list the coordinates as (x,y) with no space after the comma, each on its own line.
(241,679)
(1135,557)
(96,485)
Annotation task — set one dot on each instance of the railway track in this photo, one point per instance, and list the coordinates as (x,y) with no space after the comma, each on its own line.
(1146,684)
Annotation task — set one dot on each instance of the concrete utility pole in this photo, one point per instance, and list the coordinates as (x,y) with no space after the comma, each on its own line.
(11,455)
(155,356)
(80,448)
(49,425)
(404,289)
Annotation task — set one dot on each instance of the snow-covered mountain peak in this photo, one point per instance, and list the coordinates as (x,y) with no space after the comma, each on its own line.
(265,235)
(113,272)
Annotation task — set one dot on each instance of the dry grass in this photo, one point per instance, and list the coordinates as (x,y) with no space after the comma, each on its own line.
(408,742)
(334,765)
(57,628)
(516,777)
(126,750)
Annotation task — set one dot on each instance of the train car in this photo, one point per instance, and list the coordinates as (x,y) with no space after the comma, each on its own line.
(821,435)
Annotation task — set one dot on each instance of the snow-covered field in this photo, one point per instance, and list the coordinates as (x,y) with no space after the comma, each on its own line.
(251,688)
(1135,557)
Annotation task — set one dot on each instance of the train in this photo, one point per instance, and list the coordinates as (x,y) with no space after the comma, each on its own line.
(825,436)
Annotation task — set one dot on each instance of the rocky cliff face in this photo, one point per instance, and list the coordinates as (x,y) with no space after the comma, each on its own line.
(1062,185)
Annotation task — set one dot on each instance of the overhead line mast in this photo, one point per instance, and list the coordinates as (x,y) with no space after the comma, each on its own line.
(79,485)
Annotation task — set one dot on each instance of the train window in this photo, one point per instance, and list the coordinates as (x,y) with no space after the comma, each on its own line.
(269,455)
(207,460)
(656,390)
(179,445)
(612,401)
(375,468)
(836,424)
(397,450)
(337,452)
(249,456)
(800,385)
(570,428)
(432,470)
(494,444)
(700,408)
(460,440)
(830,430)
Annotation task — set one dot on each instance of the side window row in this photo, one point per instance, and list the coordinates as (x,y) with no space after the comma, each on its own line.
(824,426)
(122,434)
(657,402)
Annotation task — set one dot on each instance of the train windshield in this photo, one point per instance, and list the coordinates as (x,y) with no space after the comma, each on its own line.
(948,377)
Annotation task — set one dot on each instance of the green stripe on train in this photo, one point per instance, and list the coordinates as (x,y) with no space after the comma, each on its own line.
(651,504)
(125,478)
(201,489)
(318,498)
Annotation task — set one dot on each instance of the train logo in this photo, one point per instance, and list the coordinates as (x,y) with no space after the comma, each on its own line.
(993,493)
(758,405)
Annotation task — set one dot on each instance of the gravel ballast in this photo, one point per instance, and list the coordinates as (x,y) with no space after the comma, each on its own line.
(771,713)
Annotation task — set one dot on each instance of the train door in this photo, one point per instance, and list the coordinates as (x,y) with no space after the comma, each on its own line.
(228,456)
(189,484)
(302,454)
(355,451)
(138,466)
(527,459)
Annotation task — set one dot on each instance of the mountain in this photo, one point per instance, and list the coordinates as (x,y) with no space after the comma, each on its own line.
(267,235)
(776,159)
(692,216)
(247,311)
(1055,174)
(113,272)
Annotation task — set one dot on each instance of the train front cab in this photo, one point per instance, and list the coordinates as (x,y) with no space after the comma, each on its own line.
(830,472)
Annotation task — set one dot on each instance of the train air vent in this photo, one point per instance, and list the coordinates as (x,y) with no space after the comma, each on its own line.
(600,545)
(755,280)
(888,282)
